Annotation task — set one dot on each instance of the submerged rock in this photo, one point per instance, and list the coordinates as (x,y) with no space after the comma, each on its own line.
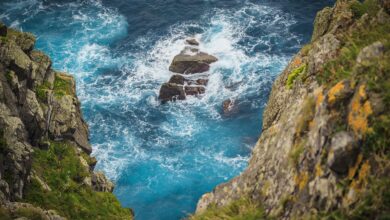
(229,107)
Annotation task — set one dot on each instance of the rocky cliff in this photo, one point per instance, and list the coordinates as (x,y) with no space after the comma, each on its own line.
(324,148)
(45,168)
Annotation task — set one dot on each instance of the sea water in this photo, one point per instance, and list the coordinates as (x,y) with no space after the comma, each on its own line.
(162,158)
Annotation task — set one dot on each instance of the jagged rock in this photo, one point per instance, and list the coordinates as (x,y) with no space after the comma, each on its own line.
(343,152)
(171,92)
(192,41)
(15,59)
(177,79)
(25,40)
(41,66)
(101,183)
(188,64)
(33,117)
(321,23)
(194,90)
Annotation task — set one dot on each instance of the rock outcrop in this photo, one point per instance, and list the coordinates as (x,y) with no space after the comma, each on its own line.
(40,115)
(324,146)
(189,61)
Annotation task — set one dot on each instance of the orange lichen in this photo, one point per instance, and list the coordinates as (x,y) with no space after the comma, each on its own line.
(301,180)
(360,111)
(352,170)
(361,181)
(320,98)
(297,61)
(335,91)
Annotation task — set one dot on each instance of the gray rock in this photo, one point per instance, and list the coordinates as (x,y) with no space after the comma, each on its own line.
(343,152)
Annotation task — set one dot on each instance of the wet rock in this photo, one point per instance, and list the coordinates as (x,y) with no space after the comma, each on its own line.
(203,82)
(188,64)
(192,41)
(177,79)
(194,90)
(343,152)
(171,92)
(229,107)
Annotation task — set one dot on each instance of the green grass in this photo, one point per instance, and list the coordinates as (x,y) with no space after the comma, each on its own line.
(294,75)
(62,86)
(61,169)
(242,209)
(370,7)
(41,91)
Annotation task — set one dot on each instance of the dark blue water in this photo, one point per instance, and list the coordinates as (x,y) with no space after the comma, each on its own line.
(164,157)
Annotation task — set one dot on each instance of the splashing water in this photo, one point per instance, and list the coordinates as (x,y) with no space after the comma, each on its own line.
(164,157)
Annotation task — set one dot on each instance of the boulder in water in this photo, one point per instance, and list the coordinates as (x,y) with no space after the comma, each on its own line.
(188,64)
(192,41)
(171,92)
(229,107)
(194,90)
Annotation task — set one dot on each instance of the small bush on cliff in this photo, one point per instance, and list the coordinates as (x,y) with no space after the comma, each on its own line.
(61,169)
(294,75)
(243,209)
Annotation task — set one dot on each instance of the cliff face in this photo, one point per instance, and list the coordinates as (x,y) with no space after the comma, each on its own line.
(324,146)
(44,147)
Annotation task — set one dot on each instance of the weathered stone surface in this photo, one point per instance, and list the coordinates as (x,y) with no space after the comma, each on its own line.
(101,183)
(41,66)
(171,92)
(343,152)
(194,90)
(188,64)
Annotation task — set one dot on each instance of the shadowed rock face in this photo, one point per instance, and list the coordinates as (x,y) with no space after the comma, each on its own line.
(189,61)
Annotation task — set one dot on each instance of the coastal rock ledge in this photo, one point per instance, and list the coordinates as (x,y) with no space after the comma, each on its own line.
(46,171)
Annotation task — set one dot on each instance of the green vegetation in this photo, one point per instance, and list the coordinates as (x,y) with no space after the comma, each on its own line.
(370,7)
(62,86)
(294,74)
(41,91)
(61,169)
(243,209)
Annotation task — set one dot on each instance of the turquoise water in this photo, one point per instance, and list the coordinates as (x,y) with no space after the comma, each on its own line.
(164,157)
